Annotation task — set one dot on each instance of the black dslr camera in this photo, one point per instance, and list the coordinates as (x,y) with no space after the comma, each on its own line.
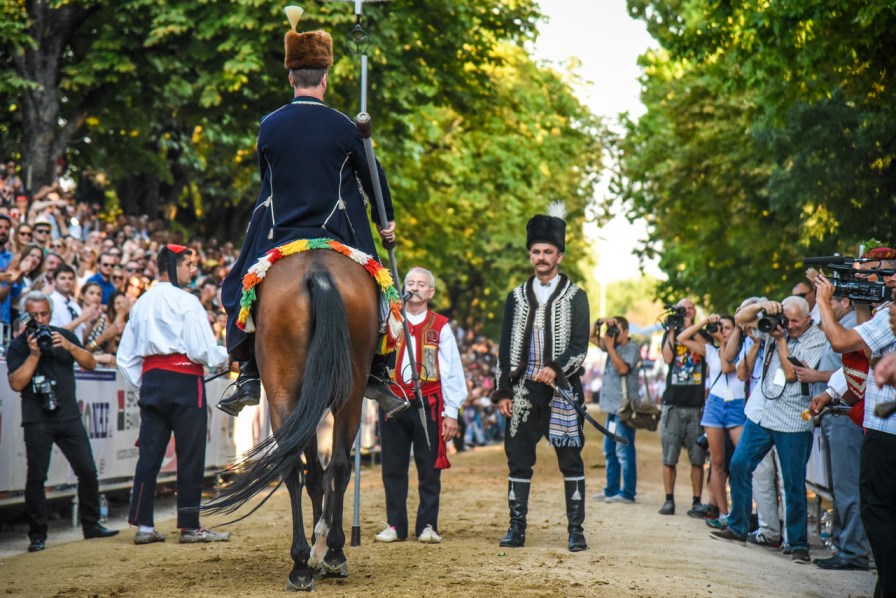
(41,333)
(43,387)
(713,327)
(674,317)
(612,331)
(852,283)
(767,323)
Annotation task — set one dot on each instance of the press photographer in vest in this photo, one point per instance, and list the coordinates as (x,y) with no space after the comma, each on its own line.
(40,362)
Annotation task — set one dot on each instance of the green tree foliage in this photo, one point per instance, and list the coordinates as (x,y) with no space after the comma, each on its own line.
(164,100)
(768,136)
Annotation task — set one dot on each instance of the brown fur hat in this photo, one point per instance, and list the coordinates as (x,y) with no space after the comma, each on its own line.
(310,50)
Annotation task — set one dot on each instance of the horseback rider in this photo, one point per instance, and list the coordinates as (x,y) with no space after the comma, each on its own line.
(314,183)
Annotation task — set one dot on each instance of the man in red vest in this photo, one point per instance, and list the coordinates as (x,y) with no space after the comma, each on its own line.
(444,390)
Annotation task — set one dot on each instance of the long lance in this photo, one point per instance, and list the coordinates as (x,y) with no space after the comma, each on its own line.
(365,126)
(580,409)
(358,41)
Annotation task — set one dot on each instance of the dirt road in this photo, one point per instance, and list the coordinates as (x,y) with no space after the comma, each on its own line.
(634,551)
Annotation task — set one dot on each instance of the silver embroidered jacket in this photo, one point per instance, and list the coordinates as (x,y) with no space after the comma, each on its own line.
(565,321)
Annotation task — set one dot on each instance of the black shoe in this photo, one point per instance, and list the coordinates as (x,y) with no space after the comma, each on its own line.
(700,511)
(728,534)
(839,563)
(37,545)
(515,538)
(800,557)
(99,531)
(577,542)
(248,390)
(380,392)
(668,508)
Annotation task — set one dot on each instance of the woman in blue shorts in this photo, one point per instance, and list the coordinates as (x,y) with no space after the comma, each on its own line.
(724,409)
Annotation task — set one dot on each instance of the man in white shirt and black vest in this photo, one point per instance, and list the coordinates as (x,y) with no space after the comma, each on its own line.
(544,340)
(444,390)
(162,352)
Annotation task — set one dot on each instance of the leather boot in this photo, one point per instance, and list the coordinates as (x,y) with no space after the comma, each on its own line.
(378,388)
(248,389)
(575,513)
(518,500)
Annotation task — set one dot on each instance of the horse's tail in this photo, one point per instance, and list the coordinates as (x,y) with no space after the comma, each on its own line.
(327,384)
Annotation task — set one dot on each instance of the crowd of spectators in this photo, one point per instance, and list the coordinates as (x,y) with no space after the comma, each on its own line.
(480,422)
(110,260)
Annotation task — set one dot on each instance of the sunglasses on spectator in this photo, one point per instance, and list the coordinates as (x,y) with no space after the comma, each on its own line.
(131,269)
(117,277)
(25,233)
(803,295)
(107,264)
(42,231)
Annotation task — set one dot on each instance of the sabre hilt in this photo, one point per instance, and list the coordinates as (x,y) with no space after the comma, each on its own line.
(364,124)
(885,410)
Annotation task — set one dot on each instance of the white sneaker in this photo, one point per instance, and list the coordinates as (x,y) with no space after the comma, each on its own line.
(429,536)
(387,535)
(620,499)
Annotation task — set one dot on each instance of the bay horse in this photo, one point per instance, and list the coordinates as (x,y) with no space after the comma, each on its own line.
(317,325)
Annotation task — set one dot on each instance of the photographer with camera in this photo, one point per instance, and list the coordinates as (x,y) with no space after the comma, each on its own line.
(877,473)
(623,361)
(682,408)
(723,412)
(774,418)
(844,439)
(40,363)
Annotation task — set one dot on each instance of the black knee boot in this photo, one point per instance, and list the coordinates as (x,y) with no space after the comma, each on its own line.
(248,389)
(518,500)
(378,388)
(575,513)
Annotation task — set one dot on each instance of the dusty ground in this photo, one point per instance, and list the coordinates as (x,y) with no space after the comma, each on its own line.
(634,551)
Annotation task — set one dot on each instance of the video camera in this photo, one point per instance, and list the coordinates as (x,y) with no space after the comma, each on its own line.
(850,282)
(674,317)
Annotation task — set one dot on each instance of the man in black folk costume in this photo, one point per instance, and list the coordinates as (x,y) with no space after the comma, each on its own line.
(544,339)
(315,183)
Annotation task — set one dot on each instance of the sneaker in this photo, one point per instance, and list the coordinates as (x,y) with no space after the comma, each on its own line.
(800,556)
(698,511)
(193,536)
(148,537)
(387,535)
(719,523)
(620,499)
(428,536)
(785,549)
(600,496)
(668,508)
(759,539)
(727,534)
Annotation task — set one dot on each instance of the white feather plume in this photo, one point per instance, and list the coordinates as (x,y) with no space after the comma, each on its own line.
(557,210)
(293,13)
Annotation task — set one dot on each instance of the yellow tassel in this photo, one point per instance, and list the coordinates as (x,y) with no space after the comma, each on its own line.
(293,13)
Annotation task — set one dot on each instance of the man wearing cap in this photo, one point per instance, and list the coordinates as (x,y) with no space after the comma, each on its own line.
(163,347)
(544,340)
(311,159)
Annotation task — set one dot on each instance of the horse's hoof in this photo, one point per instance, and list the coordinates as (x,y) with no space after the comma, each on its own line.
(298,583)
(335,565)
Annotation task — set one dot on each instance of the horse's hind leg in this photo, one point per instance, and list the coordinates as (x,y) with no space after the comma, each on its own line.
(301,577)
(339,472)
(314,483)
